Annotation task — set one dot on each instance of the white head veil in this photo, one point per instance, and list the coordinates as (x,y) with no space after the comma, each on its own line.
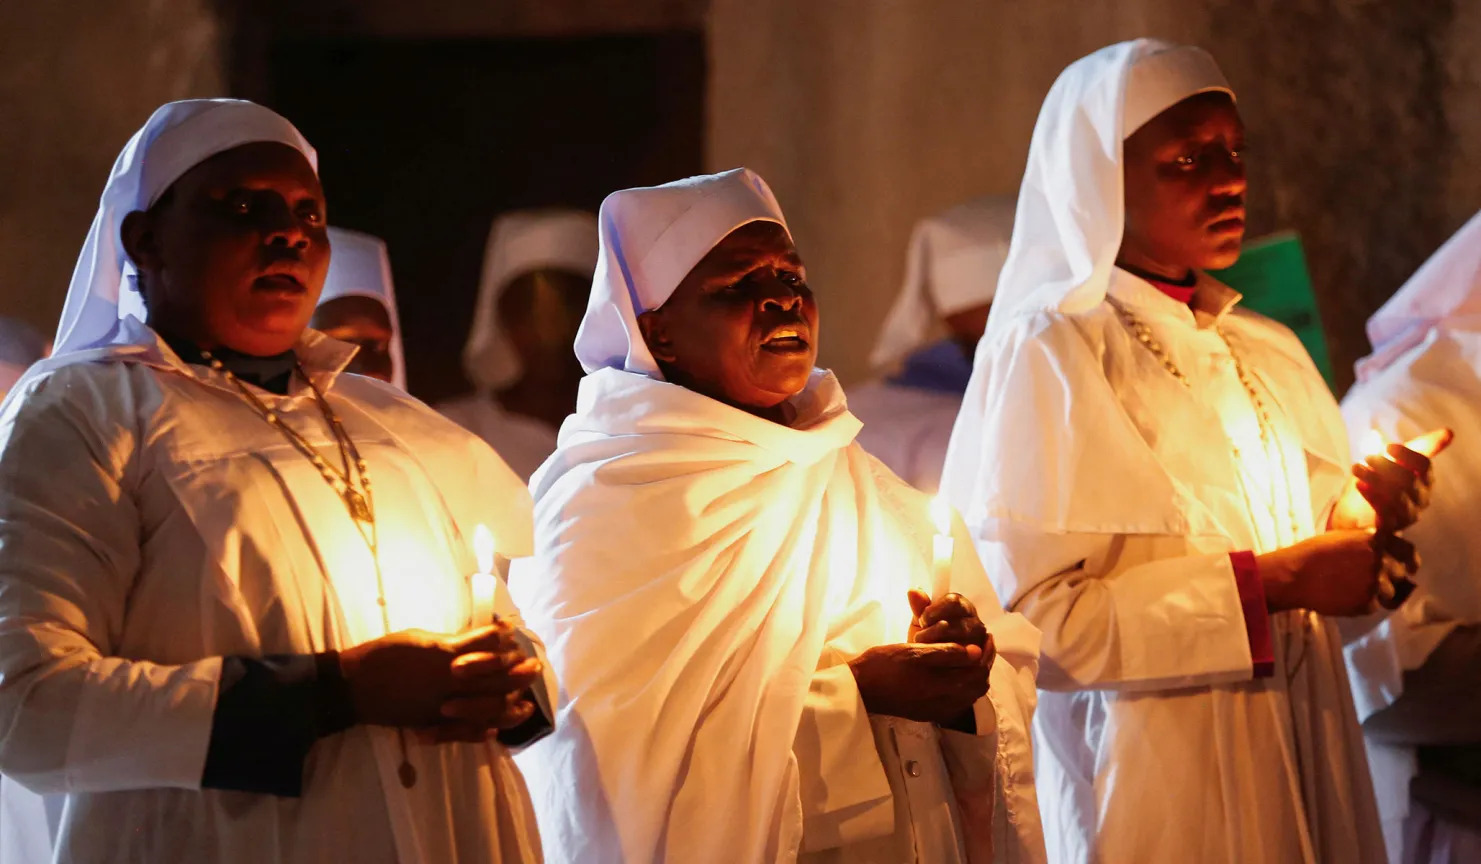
(1447,288)
(1066,236)
(521,242)
(176,138)
(651,237)
(952,264)
(1067,231)
(360,267)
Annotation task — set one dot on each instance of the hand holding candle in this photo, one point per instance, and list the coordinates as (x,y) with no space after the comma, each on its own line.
(1395,480)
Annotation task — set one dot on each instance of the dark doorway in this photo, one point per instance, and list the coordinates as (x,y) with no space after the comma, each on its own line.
(423,143)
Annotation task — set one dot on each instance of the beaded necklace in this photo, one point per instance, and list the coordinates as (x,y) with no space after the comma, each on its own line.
(352,487)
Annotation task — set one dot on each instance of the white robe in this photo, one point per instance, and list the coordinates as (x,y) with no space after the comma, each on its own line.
(153,523)
(1105,498)
(1434,383)
(522,442)
(703,578)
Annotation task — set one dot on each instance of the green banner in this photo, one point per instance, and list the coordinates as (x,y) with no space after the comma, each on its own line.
(1271,274)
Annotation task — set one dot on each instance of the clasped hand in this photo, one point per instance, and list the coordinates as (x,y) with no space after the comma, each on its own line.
(937,675)
(458,686)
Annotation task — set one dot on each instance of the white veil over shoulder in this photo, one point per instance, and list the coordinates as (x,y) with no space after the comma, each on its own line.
(1025,433)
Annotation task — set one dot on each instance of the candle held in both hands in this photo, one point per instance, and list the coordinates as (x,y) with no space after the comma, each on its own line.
(484,583)
(943,546)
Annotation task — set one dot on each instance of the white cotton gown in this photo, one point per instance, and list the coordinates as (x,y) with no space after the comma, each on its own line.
(153,523)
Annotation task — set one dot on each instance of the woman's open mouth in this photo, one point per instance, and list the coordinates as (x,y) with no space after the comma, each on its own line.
(279,283)
(786,340)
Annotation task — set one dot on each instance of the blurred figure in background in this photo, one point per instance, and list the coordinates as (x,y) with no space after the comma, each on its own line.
(924,353)
(20,346)
(1417,676)
(358,305)
(536,277)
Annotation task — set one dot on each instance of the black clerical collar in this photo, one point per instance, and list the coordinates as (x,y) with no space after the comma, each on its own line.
(272,374)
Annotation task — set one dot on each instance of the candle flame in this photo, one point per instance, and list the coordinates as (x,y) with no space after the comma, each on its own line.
(941,515)
(1373,443)
(483,549)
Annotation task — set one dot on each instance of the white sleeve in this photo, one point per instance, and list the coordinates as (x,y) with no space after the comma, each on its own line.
(74,718)
(845,795)
(1132,612)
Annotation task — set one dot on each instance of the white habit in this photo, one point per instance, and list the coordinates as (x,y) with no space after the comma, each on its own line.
(1106,498)
(952,265)
(519,243)
(1425,372)
(153,523)
(703,576)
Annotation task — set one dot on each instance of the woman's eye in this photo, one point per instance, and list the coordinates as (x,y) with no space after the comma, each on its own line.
(240,204)
(1236,155)
(1186,161)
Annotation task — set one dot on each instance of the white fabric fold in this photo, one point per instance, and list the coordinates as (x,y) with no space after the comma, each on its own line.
(1424,373)
(695,566)
(360,267)
(521,242)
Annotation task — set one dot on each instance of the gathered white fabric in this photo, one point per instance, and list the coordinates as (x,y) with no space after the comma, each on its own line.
(360,267)
(695,567)
(521,242)
(703,575)
(1424,373)
(952,264)
(651,238)
(1105,497)
(1165,76)
(176,138)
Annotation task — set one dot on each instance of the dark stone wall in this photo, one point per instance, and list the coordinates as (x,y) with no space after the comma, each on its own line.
(1350,141)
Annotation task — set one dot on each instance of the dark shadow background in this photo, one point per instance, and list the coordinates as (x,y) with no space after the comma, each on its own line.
(424,142)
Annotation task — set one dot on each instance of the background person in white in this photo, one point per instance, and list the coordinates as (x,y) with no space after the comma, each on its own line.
(358,306)
(924,353)
(536,277)
(722,574)
(1148,470)
(1417,676)
(205,607)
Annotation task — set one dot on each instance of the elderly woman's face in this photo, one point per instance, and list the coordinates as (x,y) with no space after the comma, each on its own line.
(742,327)
(235,252)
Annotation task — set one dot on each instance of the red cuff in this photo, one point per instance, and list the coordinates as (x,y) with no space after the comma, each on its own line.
(1256,614)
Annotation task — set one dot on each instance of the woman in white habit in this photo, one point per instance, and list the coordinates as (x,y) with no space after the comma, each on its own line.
(206,610)
(536,277)
(1416,677)
(924,354)
(722,574)
(1150,473)
(358,306)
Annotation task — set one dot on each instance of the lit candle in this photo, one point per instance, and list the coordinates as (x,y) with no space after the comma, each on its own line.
(942,547)
(483,583)
(1374,445)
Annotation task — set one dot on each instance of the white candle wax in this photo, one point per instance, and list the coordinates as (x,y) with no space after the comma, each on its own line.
(483,584)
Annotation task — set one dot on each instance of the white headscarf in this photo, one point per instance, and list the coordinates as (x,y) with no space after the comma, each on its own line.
(176,138)
(952,264)
(1071,208)
(651,238)
(521,242)
(1066,236)
(360,267)
(1444,289)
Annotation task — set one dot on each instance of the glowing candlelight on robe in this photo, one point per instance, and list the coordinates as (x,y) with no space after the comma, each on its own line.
(483,583)
(942,546)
